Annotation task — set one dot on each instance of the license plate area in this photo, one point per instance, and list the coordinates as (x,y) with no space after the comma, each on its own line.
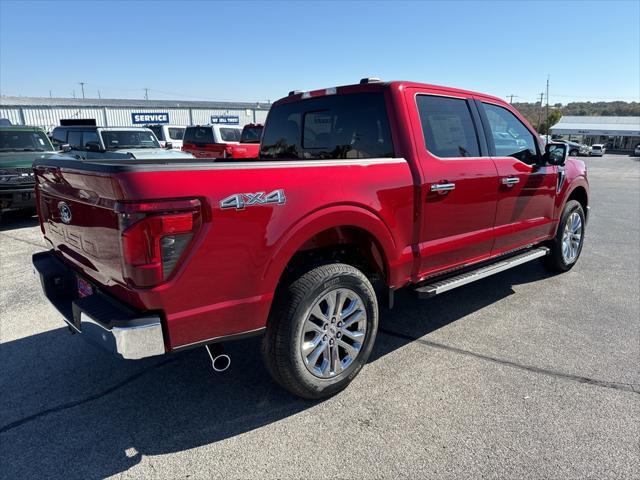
(84,288)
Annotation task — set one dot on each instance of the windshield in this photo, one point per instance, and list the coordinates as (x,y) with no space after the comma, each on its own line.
(251,135)
(230,134)
(24,141)
(116,139)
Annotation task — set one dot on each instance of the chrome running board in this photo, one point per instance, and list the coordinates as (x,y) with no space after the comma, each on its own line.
(437,287)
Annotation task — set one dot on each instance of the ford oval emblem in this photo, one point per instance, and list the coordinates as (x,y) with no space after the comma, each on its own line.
(65,212)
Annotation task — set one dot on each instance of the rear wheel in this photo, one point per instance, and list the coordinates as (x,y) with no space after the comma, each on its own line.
(322,333)
(573,153)
(567,244)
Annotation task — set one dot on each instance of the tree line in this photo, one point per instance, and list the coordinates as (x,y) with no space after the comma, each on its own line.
(536,114)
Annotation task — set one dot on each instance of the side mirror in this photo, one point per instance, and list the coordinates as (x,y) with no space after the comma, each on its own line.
(556,153)
(65,148)
(93,147)
(168,145)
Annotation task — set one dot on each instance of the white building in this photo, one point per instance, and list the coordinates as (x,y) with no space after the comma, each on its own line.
(49,112)
(618,133)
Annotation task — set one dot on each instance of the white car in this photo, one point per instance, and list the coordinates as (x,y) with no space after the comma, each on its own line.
(636,151)
(172,134)
(597,150)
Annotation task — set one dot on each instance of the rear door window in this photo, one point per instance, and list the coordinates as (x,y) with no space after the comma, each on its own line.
(75,140)
(510,137)
(198,135)
(89,136)
(59,137)
(330,127)
(176,133)
(447,126)
(230,134)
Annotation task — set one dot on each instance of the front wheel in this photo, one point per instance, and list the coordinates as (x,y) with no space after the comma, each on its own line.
(321,334)
(567,244)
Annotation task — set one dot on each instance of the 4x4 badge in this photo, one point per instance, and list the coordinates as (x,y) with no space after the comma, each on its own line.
(241,200)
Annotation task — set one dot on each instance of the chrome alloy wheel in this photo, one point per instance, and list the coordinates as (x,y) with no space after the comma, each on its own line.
(571,238)
(333,333)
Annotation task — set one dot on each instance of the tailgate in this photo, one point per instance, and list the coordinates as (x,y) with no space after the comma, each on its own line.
(77,216)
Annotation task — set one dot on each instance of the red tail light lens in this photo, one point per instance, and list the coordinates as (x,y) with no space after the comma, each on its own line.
(154,238)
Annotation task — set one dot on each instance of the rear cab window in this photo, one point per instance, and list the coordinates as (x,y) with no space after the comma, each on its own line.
(230,134)
(176,133)
(198,135)
(347,126)
(157,130)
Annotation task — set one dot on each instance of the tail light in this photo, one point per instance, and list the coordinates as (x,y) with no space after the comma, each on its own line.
(154,238)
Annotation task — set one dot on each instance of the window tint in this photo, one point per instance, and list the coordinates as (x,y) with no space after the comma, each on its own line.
(90,136)
(230,134)
(75,139)
(176,133)
(334,126)
(24,140)
(251,134)
(157,130)
(510,136)
(198,135)
(115,139)
(59,137)
(447,127)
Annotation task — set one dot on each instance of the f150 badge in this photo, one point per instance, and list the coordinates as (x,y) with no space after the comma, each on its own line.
(241,200)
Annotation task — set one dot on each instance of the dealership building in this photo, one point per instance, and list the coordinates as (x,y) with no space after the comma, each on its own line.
(617,133)
(51,112)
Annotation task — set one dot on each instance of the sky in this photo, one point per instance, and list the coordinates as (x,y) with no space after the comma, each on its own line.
(258,51)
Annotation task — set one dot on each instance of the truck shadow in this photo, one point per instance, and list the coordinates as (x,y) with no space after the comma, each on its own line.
(69,410)
(16,220)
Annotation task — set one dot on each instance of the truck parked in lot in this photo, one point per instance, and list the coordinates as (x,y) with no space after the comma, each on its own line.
(218,141)
(91,142)
(358,191)
(20,145)
(169,136)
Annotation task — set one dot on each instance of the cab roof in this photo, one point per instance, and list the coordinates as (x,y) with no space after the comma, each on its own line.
(378,86)
(23,128)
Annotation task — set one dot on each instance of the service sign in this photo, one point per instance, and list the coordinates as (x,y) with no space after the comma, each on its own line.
(144,118)
(225,120)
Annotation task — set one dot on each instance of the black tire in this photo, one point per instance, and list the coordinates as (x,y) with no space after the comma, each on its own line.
(574,153)
(281,344)
(556,261)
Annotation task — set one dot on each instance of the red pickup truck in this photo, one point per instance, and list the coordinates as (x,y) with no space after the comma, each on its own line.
(358,191)
(222,141)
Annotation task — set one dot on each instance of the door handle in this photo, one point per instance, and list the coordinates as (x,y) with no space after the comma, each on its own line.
(442,187)
(509,181)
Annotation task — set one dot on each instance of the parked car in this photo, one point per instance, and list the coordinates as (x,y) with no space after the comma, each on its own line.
(576,149)
(359,191)
(169,136)
(636,151)
(19,147)
(90,142)
(251,133)
(598,150)
(217,141)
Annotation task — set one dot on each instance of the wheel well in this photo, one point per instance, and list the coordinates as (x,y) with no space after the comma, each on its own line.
(580,195)
(346,244)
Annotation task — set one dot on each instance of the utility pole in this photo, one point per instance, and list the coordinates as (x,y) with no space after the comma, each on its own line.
(99,94)
(82,86)
(74,93)
(540,112)
(511,97)
(146,94)
(50,95)
(548,104)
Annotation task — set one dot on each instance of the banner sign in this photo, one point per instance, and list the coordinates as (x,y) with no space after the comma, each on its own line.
(144,118)
(225,120)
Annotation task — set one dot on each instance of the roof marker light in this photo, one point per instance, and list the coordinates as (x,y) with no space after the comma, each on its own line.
(331,91)
(306,95)
(369,80)
(294,92)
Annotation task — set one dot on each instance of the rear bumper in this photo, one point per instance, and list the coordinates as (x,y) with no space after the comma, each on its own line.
(102,320)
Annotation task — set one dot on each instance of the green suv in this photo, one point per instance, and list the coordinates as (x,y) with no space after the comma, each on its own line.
(19,147)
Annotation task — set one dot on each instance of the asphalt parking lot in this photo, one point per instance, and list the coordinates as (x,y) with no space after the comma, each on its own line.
(524,374)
